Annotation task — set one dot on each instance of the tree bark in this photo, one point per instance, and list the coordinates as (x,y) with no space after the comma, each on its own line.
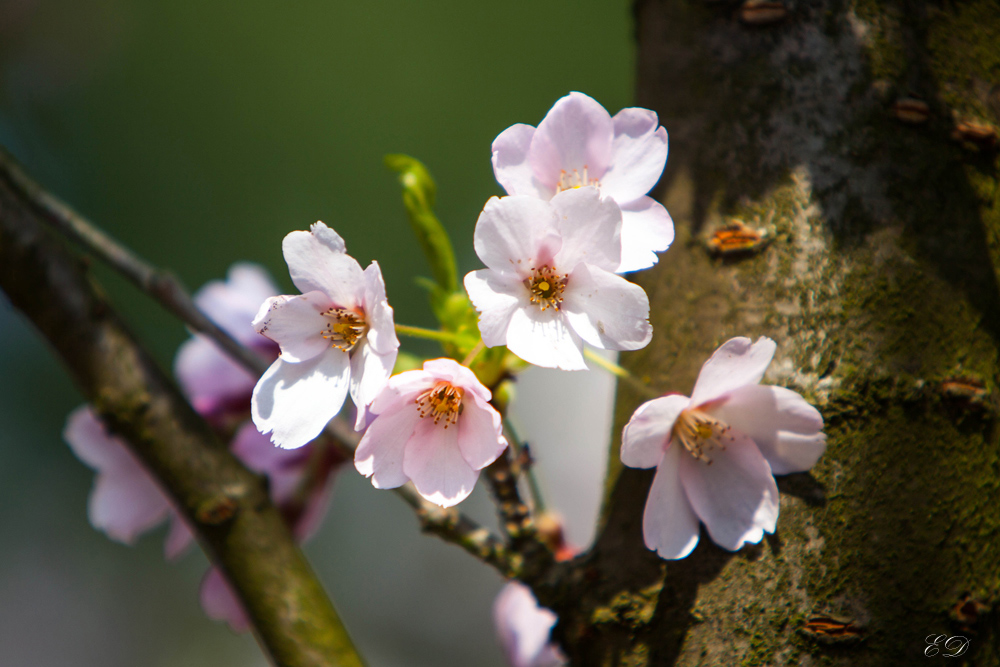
(861,139)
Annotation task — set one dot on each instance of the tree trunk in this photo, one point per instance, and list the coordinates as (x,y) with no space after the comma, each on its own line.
(860,138)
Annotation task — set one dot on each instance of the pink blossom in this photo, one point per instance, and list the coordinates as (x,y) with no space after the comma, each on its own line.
(435,427)
(126,501)
(336,337)
(578,143)
(220,602)
(524,628)
(549,283)
(288,472)
(716,453)
(218,387)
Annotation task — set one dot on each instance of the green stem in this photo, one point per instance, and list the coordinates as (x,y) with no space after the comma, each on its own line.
(471,356)
(429,334)
(619,372)
(609,366)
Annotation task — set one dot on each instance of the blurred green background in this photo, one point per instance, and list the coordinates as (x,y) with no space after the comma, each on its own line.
(200,134)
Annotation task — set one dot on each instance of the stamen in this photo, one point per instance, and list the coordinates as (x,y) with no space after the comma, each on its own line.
(701,433)
(571,181)
(442,401)
(345,328)
(546,287)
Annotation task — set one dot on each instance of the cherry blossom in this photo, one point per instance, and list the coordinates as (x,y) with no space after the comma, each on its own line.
(578,143)
(434,427)
(716,453)
(126,501)
(550,285)
(524,628)
(218,387)
(336,337)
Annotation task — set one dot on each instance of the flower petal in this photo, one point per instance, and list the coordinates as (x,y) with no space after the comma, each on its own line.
(294,402)
(736,364)
(576,133)
(256,452)
(370,372)
(434,463)
(606,310)
(735,495)
(511,166)
(296,324)
(380,453)
(125,502)
(590,226)
(516,234)
(220,603)
(378,313)
(459,375)
(402,388)
(179,538)
(209,376)
(645,437)
(317,261)
(479,433)
(669,524)
(496,296)
(232,303)
(646,230)
(785,427)
(92,443)
(315,510)
(524,628)
(543,338)
(638,155)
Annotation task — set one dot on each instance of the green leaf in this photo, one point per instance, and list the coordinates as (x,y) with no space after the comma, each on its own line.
(419,192)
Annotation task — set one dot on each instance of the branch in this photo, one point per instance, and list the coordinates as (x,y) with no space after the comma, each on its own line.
(227,505)
(165,289)
(159,284)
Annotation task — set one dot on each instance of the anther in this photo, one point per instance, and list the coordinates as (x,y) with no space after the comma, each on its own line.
(546,287)
(574,179)
(443,401)
(345,328)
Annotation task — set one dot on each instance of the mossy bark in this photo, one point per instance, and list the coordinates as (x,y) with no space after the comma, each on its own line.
(879,283)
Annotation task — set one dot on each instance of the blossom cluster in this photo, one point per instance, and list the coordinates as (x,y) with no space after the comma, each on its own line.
(127,501)
(576,216)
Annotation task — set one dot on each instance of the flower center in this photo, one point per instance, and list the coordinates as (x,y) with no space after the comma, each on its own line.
(546,287)
(345,328)
(442,401)
(570,180)
(701,433)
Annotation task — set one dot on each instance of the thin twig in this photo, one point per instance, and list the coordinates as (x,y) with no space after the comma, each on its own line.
(526,467)
(161,285)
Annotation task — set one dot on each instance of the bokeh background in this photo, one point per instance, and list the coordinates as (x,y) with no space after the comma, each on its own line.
(199,134)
